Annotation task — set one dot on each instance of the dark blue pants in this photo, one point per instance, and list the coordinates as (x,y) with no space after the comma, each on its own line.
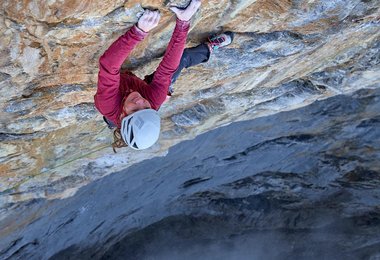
(190,57)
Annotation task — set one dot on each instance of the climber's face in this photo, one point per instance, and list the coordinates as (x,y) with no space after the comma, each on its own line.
(133,103)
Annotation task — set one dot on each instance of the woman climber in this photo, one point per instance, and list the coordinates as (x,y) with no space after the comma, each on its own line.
(129,103)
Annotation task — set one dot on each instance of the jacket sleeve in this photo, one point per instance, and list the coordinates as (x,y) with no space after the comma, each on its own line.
(159,86)
(108,96)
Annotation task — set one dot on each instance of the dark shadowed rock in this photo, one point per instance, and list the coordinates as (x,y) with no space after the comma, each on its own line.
(302,184)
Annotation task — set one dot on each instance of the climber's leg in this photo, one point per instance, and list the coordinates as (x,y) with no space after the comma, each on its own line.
(201,53)
(196,55)
(191,57)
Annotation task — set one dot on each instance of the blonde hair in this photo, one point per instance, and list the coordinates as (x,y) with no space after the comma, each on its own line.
(118,141)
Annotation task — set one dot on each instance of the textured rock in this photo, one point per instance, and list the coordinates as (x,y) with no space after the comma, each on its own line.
(286,54)
(303,184)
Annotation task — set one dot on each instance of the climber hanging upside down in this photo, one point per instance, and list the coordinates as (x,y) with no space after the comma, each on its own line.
(129,103)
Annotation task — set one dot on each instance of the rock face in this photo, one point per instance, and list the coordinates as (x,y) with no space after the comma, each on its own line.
(302,184)
(286,54)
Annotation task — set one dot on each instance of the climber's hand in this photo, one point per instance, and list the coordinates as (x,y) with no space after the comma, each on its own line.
(148,20)
(188,12)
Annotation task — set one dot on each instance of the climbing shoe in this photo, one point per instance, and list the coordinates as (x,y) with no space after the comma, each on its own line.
(219,41)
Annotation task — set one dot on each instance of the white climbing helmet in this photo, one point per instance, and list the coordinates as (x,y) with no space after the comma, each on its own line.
(141,129)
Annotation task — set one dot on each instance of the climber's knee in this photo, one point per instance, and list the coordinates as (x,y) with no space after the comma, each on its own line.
(185,60)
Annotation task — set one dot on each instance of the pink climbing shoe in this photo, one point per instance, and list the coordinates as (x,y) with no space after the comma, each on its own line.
(220,40)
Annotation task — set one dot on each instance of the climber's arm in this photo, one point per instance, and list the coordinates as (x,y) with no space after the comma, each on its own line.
(108,96)
(169,64)
(158,88)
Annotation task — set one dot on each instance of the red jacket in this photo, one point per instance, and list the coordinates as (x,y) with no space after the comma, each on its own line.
(113,86)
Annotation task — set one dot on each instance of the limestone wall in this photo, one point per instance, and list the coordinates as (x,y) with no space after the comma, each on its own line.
(301,188)
(286,54)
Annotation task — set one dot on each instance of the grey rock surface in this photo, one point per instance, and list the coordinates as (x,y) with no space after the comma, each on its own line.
(285,55)
(302,184)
